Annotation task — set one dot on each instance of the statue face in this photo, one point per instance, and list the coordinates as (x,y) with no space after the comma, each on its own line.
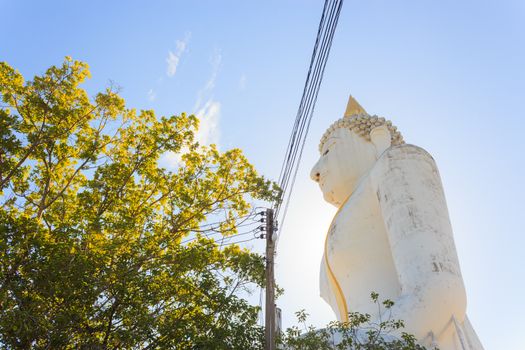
(345,158)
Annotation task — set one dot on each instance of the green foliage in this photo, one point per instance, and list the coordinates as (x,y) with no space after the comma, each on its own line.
(358,333)
(92,228)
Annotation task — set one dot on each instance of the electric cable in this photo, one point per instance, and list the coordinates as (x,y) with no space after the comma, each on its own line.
(298,116)
(305,108)
(311,86)
(293,155)
(215,230)
(255,230)
(310,114)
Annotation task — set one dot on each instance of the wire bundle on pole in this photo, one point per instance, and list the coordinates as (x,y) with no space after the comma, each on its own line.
(323,43)
(250,224)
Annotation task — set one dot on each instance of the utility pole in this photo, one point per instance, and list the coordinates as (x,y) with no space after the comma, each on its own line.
(269,335)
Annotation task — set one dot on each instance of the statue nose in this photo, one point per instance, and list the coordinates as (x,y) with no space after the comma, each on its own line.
(315,174)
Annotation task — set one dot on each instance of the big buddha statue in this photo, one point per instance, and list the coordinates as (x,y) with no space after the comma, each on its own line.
(392,232)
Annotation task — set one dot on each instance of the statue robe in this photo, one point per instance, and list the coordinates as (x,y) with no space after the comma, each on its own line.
(393,236)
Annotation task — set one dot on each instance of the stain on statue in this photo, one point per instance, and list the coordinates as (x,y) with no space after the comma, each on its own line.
(392,232)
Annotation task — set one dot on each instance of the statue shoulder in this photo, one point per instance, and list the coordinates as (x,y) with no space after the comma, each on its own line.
(404,156)
(404,152)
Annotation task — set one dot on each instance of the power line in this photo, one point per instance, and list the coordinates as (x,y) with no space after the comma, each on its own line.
(216,230)
(221,239)
(254,231)
(311,88)
(221,245)
(325,50)
(243,241)
(294,151)
(252,213)
(321,51)
(311,95)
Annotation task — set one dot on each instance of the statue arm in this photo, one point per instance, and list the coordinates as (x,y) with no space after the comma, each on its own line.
(412,203)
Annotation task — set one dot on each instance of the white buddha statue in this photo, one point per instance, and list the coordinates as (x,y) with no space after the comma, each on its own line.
(391,234)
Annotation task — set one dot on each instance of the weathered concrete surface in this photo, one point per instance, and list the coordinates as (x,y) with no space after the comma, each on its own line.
(392,235)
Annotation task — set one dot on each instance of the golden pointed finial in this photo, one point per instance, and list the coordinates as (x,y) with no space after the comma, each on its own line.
(353,108)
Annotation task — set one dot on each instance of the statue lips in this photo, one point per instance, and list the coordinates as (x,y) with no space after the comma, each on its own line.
(328,193)
(321,182)
(322,185)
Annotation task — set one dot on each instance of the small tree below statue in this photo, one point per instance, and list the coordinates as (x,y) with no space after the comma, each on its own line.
(358,333)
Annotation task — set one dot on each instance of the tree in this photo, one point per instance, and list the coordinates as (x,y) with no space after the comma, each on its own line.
(94,234)
(358,333)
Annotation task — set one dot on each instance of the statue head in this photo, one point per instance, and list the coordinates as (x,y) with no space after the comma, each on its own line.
(349,149)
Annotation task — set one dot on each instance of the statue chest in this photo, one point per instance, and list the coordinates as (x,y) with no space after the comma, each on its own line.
(358,252)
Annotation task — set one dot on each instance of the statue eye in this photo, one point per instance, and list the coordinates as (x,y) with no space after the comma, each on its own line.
(326,152)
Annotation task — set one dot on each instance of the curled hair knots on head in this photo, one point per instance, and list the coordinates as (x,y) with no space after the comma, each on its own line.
(362,124)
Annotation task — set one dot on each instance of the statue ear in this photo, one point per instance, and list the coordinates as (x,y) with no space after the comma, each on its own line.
(381,138)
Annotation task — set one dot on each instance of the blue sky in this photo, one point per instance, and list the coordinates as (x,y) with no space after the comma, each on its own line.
(450,74)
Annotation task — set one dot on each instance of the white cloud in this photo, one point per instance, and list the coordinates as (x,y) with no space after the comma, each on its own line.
(170,160)
(174,57)
(209,115)
(206,90)
(173,62)
(152,95)
(206,108)
(181,45)
(242,82)
(207,134)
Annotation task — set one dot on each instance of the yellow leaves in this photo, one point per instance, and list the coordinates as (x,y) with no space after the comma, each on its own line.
(109,104)
(11,83)
(106,223)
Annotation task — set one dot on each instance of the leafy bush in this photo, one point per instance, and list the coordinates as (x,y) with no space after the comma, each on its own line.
(358,333)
